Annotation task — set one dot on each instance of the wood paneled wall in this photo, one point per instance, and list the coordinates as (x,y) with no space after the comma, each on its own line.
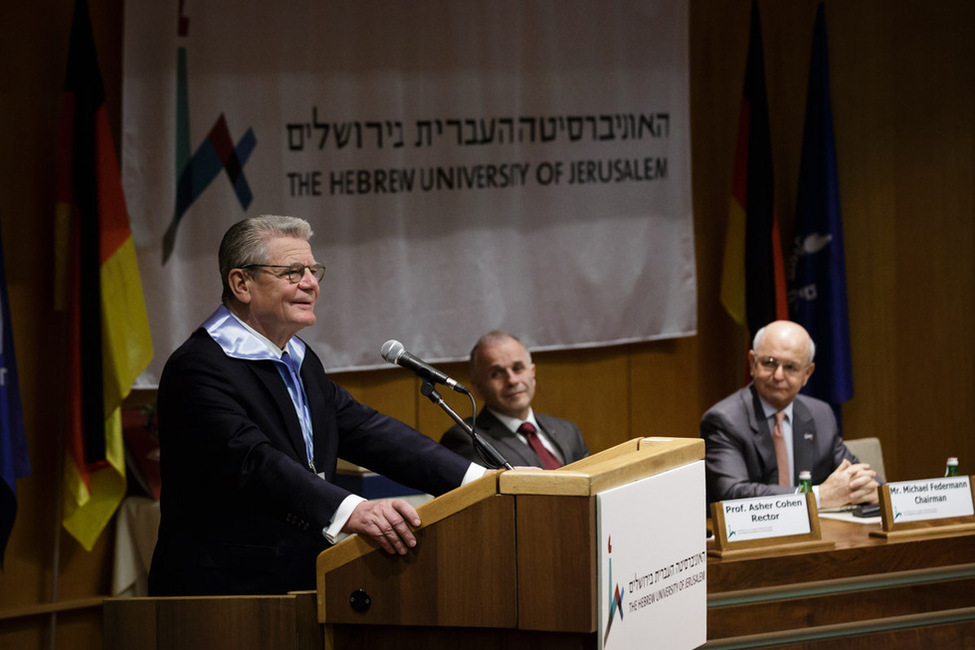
(903,86)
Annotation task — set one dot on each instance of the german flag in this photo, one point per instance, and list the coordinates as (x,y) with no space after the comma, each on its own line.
(753,288)
(108,341)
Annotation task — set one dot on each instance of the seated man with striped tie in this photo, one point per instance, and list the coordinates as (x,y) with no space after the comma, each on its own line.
(503,377)
(758,439)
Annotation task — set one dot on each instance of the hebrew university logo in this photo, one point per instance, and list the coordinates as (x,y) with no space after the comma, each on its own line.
(217,152)
(615,599)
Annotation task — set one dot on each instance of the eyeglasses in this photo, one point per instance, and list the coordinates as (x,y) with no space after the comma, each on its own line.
(771,364)
(294,273)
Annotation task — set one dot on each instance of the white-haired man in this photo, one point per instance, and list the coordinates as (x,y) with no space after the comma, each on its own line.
(744,459)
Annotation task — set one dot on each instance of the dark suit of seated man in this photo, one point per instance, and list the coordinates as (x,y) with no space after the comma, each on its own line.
(503,376)
(741,458)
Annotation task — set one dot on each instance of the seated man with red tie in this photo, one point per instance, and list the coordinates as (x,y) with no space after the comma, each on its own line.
(759,438)
(503,377)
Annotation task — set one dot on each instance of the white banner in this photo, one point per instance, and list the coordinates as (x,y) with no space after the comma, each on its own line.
(465,165)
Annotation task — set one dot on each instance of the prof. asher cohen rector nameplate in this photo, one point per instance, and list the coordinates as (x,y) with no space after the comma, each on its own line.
(745,525)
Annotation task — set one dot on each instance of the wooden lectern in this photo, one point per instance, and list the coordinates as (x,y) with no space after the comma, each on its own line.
(509,561)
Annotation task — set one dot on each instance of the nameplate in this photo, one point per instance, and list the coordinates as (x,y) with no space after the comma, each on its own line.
(938,498)
(764,525)
(765,517)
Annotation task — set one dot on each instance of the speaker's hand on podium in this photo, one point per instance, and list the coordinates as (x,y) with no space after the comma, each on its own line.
(386,522)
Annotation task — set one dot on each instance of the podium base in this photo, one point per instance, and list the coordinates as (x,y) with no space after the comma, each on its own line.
(380,637)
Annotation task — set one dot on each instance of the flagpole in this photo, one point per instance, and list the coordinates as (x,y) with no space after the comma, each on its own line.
(58,515)
(62,237)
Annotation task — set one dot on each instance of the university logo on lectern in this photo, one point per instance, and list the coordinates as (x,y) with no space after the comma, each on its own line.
(615,598)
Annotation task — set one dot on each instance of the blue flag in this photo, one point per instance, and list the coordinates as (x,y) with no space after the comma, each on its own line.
(817,277)
(14,463)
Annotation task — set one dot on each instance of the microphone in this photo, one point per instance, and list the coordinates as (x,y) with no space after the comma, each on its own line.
(394,352)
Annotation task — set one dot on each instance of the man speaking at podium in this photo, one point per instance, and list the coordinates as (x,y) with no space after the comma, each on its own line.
(758,439)
(250,428)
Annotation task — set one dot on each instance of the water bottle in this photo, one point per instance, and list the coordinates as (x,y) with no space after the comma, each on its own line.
(805,482)
(951,467)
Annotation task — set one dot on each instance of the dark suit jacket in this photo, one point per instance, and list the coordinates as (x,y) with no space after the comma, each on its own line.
(564,434)
(740,457)
(241,511)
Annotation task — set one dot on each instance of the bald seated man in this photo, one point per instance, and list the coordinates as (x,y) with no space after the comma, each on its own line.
(503,377)
(740,455)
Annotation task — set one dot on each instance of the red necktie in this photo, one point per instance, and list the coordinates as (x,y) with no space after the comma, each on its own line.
(549,461)
(781,453)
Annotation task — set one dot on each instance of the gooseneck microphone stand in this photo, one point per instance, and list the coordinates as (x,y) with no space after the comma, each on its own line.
(485,448)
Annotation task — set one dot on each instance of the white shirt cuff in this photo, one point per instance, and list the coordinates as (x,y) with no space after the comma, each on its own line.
(333,533)
(473,473)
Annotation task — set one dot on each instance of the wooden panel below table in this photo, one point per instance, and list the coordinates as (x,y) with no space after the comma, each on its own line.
(866,592)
